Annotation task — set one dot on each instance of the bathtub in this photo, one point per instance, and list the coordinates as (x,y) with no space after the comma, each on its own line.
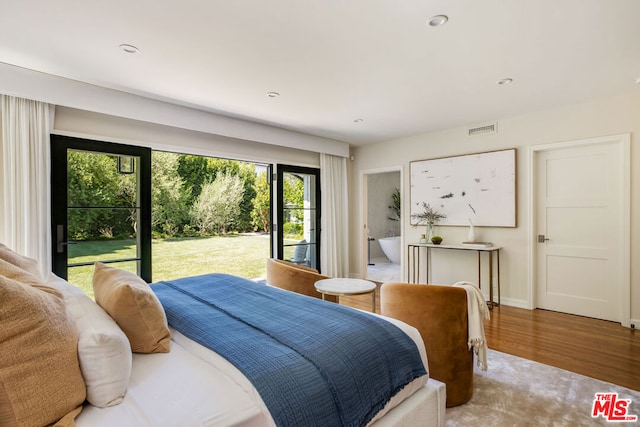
(391,248)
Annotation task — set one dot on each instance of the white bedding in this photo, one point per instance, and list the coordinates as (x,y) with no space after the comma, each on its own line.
(181,389)
(193,386)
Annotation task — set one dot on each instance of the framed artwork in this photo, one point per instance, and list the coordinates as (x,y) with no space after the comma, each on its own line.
(473,188)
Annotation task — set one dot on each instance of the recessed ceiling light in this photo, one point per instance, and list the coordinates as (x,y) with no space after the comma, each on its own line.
(129,48)
(273,94)
(438,20)
(505,81)
(638,80)
(358,121)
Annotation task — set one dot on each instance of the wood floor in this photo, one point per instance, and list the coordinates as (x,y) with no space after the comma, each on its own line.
(595,348)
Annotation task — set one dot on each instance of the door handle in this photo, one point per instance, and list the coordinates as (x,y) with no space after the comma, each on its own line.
(60,243)
(542,238)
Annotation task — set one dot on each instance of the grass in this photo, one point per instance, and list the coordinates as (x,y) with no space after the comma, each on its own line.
(240,255)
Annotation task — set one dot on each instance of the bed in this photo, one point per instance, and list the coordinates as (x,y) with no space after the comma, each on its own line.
(185,383)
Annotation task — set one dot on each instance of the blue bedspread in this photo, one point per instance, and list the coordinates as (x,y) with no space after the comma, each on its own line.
(313,362)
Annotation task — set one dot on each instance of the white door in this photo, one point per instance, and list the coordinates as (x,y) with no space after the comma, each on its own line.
(580,209)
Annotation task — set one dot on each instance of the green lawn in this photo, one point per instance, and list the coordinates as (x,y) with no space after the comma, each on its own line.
(241,255)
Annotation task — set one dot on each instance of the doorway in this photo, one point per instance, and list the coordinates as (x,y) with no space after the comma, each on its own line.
(382,209)
(206,214)
(115,199)
(581,227)
(298,211)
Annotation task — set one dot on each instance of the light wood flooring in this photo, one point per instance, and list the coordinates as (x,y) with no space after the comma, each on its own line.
(595,348)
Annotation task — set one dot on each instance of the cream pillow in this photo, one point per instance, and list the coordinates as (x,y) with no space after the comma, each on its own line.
(40,378)
(136,309)
(103,349)
(25,263)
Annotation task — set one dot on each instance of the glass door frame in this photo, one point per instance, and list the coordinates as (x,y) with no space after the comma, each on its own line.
(60,144)
(278,197)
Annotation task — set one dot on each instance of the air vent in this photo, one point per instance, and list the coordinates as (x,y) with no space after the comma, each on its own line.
(484,129)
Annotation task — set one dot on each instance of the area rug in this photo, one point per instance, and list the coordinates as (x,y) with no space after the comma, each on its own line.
(519,392)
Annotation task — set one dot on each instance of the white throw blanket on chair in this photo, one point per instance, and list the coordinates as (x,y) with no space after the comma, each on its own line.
(477,311)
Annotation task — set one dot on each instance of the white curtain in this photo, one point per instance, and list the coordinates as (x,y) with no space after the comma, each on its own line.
(334,239)
(24,179)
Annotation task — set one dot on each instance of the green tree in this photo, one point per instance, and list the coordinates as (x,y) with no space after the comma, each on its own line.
(217,207)
(261,203)
(127,194)
(169,207)
(248,175)
(246,172)
(293,198)
(93,181)
(196,171)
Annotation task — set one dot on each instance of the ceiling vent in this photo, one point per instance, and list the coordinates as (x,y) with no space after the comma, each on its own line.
(483,129)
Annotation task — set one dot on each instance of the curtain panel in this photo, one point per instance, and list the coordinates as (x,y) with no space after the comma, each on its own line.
(334,239)
(25,199)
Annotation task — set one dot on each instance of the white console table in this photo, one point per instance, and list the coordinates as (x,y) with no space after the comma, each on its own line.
(413,263)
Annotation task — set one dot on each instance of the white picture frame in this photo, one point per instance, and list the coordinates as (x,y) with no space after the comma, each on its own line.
(475,188)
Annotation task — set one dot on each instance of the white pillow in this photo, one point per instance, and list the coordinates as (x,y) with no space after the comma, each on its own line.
(300,251)
(103,349)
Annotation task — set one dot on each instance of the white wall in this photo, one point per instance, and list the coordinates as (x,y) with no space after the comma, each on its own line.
(616,115)
(80,123)
(60,91)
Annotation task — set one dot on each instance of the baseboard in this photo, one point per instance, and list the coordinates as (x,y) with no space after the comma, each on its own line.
(519,303)
(634,323)
(511,302)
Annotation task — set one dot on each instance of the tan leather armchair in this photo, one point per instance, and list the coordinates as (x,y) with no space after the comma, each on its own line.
(440,315)
(294,277)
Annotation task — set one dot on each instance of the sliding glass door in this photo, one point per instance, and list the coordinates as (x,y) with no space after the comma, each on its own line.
(298,215)
(101,208)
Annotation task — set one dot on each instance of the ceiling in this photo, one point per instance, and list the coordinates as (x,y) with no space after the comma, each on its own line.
(358,71)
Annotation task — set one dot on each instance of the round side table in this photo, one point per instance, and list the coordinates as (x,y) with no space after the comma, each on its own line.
(346,286)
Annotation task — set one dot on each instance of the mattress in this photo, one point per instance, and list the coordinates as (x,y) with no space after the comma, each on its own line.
(193,386)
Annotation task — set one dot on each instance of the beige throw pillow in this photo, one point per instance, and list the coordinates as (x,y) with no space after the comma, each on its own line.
(136,309)
(13,272)
(40,378)
(25,263)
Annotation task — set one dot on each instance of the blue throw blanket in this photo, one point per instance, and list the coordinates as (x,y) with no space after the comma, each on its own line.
(313,362)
